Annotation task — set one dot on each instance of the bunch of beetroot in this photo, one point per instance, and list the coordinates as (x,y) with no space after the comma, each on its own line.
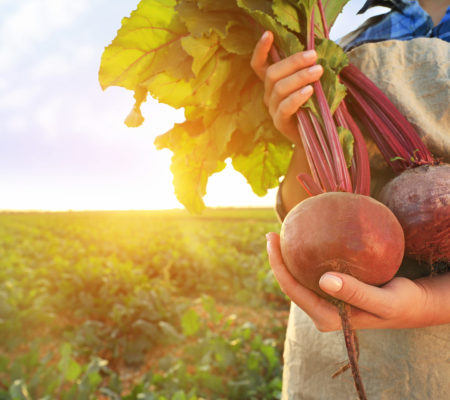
(340,228)
(420,195)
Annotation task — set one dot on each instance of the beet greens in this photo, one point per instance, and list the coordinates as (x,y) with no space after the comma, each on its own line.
(196,54)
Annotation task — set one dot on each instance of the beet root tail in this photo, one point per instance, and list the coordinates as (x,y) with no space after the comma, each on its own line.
(351,342)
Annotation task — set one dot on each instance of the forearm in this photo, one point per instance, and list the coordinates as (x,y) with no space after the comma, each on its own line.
(292,191)
(436,310)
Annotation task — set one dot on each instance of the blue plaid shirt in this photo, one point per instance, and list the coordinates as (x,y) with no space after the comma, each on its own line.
(406,20)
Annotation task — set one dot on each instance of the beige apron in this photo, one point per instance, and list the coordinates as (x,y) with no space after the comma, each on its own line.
(404,364)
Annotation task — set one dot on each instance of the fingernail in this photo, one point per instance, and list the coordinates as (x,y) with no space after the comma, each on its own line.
(306,90)
(309,55)
(265,35)
(330,283)
(315,68)
(268,236)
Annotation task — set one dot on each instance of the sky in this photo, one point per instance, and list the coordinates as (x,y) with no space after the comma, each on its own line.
(63,143)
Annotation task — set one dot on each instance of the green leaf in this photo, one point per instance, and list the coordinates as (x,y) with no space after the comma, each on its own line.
(217,5)
(333,59)
(261,11)
(198,153)
(201,92)
(135,118)
(397,158)
(221,129)
(271,355)
(346,139)
(191,171)
(169,90)
(179,395)
(334,90)
(68,367)
(331,55)
(332,10)
(18,391)
(190,322)
(146,328)
(205,22)
(142,49)
(73,371)
(207,86)
(262,6)
(209,306)
(240,40)
(168,330)
(286,14)
(264,166)
(66,352)
(201,49)
(305,9)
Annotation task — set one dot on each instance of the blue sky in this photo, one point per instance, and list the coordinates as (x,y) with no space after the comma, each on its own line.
(63,144)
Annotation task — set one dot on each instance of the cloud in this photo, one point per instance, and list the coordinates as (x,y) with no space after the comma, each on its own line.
(18,97)
(63,64)
(16,123)
(49,118)
(33,21)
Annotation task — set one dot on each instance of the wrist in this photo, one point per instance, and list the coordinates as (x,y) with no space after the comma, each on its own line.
(436,299)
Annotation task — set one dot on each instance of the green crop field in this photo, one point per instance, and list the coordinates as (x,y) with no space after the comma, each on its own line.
(139,305)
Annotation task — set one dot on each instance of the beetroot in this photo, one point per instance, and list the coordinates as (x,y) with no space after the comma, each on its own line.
(420,198)
(420,195)
(343,232)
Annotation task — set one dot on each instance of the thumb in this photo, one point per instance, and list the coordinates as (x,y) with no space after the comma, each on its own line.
(260,56)
(359,294)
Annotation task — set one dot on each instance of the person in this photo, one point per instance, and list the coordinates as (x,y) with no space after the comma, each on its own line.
(404,326)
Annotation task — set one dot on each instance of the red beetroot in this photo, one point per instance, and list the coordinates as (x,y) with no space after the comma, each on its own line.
(344,232)
(420,198)
(420,195)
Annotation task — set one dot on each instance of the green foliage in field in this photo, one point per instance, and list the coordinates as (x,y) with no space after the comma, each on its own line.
(139,305)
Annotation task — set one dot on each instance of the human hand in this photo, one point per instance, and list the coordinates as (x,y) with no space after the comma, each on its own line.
(401,303)
(286,83)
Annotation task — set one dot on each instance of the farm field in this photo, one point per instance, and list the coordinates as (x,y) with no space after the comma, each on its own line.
(139,305)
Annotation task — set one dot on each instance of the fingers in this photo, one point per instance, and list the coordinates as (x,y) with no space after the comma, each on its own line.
(292,73)
(287,82)
(372,299)
(283,112)
(322,312)
(260,56)
(288,87)
(292,84)
(290,93)
(285,280)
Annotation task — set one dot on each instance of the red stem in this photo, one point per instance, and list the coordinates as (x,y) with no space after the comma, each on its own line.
(399,131)
(361,157)
(319,167)
(322,141)
(318,160)
(309,184)
(323,18)
(387,143)
(340,165)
